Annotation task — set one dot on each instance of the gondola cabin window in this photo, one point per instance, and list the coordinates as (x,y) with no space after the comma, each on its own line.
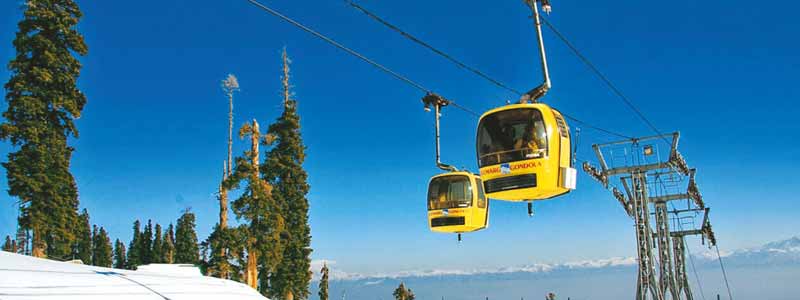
(481,195)
(449,192)
(512,135)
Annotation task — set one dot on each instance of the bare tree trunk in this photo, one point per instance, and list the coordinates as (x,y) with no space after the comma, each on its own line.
(223,271)
(254,145)
(223,200)
(286,93)
(252,255)
(38,244)
(230,134)
(223,208)
(251,272)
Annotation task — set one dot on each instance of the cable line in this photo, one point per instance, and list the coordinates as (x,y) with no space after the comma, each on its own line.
(694,270)
(597,128)
(354,53)
(462,65)
(683,239)
(724,274)
(603,78)
(340,46)
(437,51)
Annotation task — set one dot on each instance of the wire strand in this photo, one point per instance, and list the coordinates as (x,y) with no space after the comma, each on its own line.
(354,53)
(694,270)
(464,66)
(724,274)
(340,46)
(597,128)
(603,78)
(429,47)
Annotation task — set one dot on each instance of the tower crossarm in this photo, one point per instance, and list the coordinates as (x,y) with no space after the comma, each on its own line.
(667,198)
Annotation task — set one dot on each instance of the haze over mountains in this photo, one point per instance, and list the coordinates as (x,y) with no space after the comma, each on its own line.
(766,272)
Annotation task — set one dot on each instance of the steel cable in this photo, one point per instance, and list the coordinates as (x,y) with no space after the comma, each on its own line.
(462,65)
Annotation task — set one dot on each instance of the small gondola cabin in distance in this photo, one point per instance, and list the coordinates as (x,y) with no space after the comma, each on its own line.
(457,203)
(524,153)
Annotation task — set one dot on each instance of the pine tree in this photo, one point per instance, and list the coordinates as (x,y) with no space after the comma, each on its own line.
(83,244)
(43,101)
(186,249)
(283,169)
(158,245)
(94,243)
(403,293)
(323,283)
(135,247)
(147,243)
(9,246)
(168,246)
(264,221)
(101,248)
(224,244)
(120,261)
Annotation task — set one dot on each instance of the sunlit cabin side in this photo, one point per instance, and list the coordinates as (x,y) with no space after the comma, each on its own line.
(457,203)
(524,153)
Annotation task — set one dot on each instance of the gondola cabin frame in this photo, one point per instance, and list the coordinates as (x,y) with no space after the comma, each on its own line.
(457,203)
(524,153)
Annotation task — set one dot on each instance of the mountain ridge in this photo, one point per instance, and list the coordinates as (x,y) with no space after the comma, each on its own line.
(780,252)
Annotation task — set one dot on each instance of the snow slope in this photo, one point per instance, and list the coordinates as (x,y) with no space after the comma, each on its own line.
(25,277)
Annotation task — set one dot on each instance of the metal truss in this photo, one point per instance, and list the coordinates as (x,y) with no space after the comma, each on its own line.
(654,180)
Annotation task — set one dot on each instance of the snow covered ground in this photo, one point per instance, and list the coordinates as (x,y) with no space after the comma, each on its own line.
(25,277)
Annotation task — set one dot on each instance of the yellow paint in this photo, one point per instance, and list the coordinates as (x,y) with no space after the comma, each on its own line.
(548,169)
(476,216)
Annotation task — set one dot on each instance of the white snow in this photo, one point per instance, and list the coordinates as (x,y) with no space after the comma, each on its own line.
(171,269)
(25,277)
(531,268)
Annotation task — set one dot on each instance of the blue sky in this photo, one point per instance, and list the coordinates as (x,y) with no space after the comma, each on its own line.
(154,130)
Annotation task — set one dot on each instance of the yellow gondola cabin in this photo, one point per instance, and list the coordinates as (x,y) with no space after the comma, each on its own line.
(524,153)
(457,203)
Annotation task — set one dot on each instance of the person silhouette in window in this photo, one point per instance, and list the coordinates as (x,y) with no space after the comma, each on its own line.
(527,141)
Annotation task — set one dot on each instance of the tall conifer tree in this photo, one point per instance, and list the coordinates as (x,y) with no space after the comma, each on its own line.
(264,221)
(9,245)
(168,246)
(43,101)
(156,254)
(120,261)
(283,168)
(186,248)
(83,244)
(135,247)
(223,244)
(323,283)
(101,248)
(147,243)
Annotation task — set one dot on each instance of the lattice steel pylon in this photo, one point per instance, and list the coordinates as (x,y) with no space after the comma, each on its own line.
(649,180)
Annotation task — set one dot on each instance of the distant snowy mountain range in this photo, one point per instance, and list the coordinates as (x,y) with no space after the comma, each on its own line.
(766,272)
(774,253)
